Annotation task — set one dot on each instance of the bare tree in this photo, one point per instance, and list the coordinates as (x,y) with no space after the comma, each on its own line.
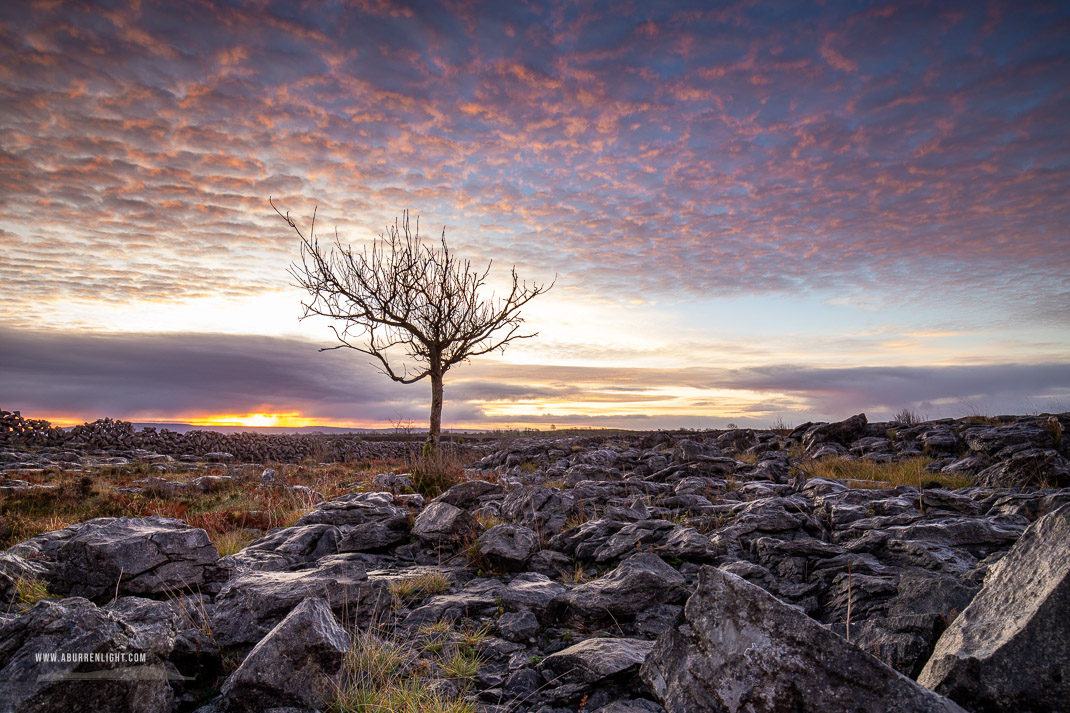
(415,308)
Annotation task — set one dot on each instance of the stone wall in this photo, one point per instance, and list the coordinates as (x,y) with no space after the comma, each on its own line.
(114,435)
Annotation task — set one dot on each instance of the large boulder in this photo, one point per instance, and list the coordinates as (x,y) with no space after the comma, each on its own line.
(1009,650)
(69,654)
(738,648)
(298,663)
(149,557)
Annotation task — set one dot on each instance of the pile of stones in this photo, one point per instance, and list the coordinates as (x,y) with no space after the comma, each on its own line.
(39,444)
(634,575)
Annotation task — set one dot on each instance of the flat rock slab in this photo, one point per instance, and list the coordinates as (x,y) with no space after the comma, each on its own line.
(594,660)
(738,648)
(1009,650)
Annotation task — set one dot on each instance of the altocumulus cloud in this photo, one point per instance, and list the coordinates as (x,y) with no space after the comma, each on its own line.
(905,148)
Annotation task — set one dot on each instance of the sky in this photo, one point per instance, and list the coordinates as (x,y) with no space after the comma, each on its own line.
(755,213)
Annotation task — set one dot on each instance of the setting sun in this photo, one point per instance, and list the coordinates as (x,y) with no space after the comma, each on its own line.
(257,420)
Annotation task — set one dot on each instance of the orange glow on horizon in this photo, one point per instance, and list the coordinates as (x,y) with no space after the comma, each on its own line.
(291,419)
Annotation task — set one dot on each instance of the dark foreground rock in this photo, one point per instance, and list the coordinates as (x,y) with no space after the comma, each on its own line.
(594,660)
(100,665)
(1009,650)
(298,663)
(739,648)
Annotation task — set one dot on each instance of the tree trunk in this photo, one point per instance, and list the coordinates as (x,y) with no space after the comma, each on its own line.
(435,429)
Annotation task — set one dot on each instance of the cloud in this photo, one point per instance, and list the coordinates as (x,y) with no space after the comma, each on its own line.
(176,376)
(183,375)
(938,391)
(655,152)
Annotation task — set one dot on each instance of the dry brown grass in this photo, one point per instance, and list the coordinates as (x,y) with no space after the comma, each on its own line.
(862,473)
(437,471)
(227,513)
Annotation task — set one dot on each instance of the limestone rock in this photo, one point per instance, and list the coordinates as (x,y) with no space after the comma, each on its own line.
(543,509)
(119,681)
(518,626)
(14,569)
(1041,467)
(508,546)
(253,602)
(468,494)
(1009,650)
(443,524)
(593,660)
(740,649)
(150,556)
(298,663)
(637,583)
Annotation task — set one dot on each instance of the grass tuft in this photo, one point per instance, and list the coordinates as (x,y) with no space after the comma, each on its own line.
(232,542)
(862,473)
(462,664)
(29,591)
(384,674)
(420,585)
(434,472)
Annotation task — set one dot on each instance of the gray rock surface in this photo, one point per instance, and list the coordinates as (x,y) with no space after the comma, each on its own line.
(298,663)
(105,671)
(542,509)
(443,524)
(13,570)
(637,583)
(253,602)
(593,660)
(1009,650)
(508,547)
(739,648)
(150,556)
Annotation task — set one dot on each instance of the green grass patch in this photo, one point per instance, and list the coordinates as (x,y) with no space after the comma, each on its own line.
(29,591)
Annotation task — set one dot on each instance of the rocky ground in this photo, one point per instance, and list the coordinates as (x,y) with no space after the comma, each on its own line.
(703,572)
